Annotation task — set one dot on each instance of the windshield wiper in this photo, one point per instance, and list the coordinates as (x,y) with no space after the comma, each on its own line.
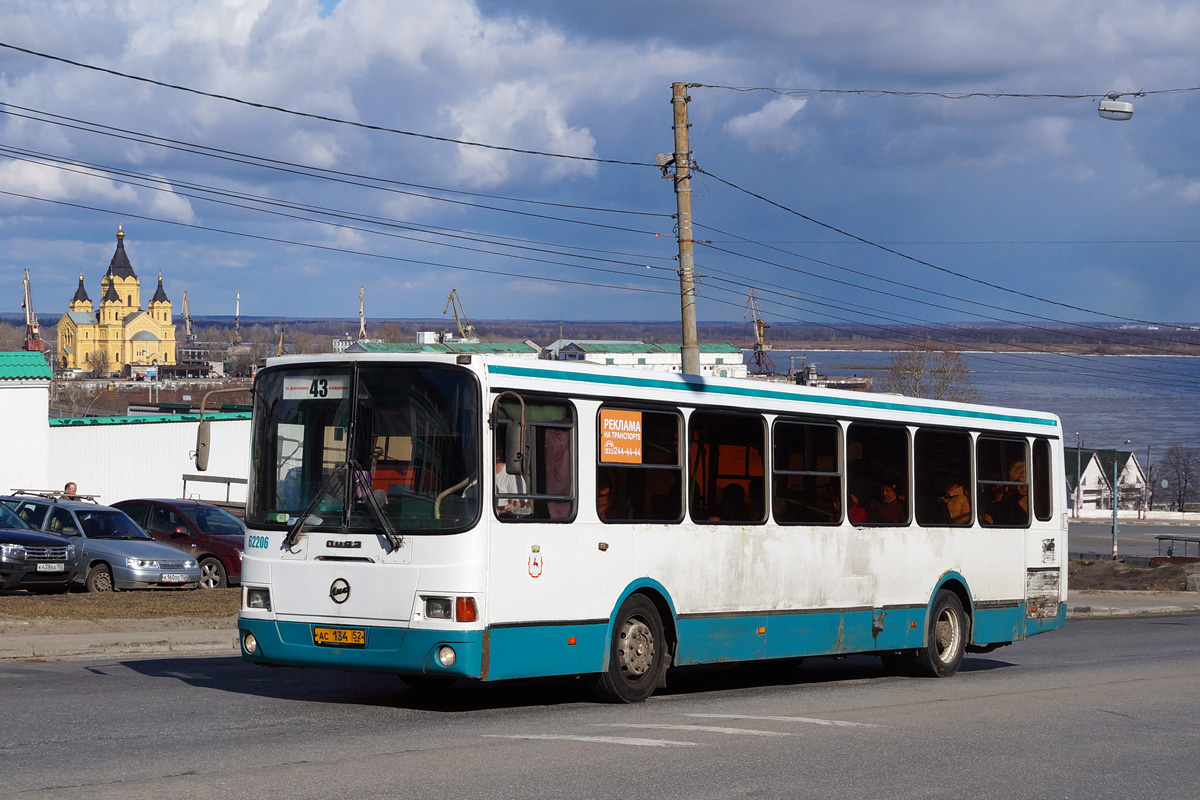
(293,533)
(389,533)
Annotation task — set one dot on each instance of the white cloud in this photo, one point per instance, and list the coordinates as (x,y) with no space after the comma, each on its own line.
(767,128)
(1191,192)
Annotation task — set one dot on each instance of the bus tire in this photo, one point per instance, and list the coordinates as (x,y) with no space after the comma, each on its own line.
(945,637)
(636,655)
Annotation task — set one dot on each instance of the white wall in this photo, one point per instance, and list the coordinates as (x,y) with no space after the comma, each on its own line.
(24,407)
(145,459)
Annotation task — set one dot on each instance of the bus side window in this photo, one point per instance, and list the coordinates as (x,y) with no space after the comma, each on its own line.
(546,490)
(639,477)
(725,454)
(807,475)
(942,483)
(1002,492)
(877,473)
(1043,486)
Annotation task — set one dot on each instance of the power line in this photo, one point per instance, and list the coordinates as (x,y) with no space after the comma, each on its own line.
(932,292)
(323,117)
(347,251)
(305,170)
(161,184)
(914,259)
(944,95)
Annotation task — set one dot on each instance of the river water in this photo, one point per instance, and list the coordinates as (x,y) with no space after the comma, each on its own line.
(1154,401)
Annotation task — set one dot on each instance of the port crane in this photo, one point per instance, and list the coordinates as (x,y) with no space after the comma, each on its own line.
(760,362)
(33,335)
(465,329)
(188,334)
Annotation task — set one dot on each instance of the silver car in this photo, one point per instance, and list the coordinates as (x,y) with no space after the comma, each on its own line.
(113,552)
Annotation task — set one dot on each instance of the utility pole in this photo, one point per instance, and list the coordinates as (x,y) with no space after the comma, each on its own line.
(1148,487)
(690,350)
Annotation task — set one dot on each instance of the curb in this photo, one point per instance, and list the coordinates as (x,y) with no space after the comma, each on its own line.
(1106,612)
(86,644)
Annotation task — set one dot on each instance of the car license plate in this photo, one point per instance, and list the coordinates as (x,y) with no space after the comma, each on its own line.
(340,637)
(51,568)
(173,577)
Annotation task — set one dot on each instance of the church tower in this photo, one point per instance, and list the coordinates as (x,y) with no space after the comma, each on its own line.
(121,278)
(81,301)
(160,306)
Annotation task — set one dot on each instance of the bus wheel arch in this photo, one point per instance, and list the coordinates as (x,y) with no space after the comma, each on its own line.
(639,649)
(947,633)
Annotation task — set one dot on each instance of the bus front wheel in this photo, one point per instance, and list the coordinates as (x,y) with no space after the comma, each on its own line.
(945,638)
(636,656)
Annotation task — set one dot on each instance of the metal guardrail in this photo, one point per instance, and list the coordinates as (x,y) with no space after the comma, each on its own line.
(212,479)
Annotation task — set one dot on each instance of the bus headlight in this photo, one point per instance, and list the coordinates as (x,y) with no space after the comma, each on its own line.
(259,599)
(446,656)
(250,643)
(438,608)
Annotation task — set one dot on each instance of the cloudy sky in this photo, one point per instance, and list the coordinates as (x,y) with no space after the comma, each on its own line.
(971,210)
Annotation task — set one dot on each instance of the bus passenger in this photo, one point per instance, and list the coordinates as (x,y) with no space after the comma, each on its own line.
(856,513)
(888,507)
(958,507)
(507,483)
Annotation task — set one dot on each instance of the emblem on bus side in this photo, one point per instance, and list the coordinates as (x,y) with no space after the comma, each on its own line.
(535,566)
(339,591)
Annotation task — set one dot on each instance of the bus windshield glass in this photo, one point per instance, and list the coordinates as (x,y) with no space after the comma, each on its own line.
(367,448)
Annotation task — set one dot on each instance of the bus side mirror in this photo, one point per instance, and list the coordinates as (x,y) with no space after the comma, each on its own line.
(514,456)
(203,436)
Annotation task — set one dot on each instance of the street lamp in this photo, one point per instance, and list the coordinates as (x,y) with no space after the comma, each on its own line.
(1116,494)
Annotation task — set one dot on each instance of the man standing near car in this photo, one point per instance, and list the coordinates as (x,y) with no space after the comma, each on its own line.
(70,490)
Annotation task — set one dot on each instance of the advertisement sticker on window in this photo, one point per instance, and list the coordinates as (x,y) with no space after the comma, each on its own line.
(620,436)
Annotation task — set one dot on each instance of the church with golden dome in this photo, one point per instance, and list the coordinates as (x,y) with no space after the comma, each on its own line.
(120,336)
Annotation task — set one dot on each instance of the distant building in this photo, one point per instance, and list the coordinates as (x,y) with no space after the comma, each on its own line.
(716,360)
(1090,478)
(515,349)
(120,336)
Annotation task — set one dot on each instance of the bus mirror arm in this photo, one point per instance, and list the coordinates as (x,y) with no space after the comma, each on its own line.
(514,439)
(203,434)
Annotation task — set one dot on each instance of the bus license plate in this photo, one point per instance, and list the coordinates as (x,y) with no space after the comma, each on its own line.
(50,568)
(340,637)
(173,577)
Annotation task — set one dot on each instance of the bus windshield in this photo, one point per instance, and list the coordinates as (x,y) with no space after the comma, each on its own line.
(366,447)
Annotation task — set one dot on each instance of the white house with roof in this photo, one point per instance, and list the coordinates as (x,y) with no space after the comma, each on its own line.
(1090,478)
(25,405)
(716,360)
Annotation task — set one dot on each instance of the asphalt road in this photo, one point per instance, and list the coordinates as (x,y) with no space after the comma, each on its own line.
(1133,538)
(1101,709)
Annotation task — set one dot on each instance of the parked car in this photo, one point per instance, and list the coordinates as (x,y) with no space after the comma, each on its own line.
(209,533)
(112,552)
(29,559)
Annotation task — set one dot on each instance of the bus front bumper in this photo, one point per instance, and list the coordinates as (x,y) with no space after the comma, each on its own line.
(404,651)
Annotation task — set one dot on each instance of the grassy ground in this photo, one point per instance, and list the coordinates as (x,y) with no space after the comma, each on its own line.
(145,604)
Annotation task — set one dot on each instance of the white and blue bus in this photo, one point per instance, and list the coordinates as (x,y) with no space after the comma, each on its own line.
(449,517)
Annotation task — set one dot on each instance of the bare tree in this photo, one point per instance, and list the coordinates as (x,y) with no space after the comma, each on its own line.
(1181,467)
(934,374)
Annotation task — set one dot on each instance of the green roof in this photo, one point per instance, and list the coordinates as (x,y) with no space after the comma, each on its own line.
(645,347)
(23,365)
(148,419)
(482,348)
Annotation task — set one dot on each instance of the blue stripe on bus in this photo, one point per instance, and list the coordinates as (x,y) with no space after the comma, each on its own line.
(529,651)
(399,650)
(701,387)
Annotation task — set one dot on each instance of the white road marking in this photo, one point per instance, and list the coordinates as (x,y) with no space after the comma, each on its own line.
(705,728)
(807,720)
(598,739)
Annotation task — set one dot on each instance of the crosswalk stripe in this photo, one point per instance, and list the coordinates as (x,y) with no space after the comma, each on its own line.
(705,728)
(598,739)
(806,720)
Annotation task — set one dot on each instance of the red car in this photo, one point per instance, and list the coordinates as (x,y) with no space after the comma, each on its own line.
(209,533)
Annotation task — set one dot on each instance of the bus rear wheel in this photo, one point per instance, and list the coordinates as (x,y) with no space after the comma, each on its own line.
(945,637)
(636,655)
